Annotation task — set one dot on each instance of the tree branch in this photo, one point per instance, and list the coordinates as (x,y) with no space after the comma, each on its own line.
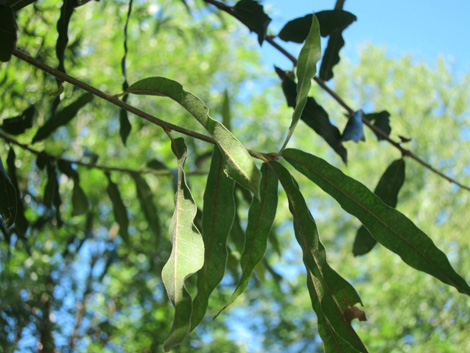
(339,100)
(94,165)
(112,99)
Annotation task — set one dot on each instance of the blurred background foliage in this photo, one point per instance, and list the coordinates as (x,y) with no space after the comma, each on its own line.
(78,288)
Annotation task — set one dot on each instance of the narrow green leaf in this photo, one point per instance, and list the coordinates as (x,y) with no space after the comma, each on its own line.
(147,204)
(66,12)
(124,124)
(238,162)
(382,121)
(314,116)
(331,55)
(331,295)
(217,219)
(63,117)
(226,116)
(79,200)
(252,14)
(8,198)
(187,254)
(52,192)
(21,223)
(306,69)
(388,226)
(8,35)
(119,210)
(19,124)
(330,20)
(387,189)
(260,220)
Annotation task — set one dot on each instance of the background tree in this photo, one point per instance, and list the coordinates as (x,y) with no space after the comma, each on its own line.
(81,265)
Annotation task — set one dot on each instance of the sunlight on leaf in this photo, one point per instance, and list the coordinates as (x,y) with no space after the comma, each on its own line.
(187,254)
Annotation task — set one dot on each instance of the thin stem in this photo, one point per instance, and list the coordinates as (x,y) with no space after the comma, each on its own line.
(112,99)
(339,4)
(94,165)
(339,100)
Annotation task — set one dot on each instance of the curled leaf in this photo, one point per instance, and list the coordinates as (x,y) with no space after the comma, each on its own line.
(187,254)
(330,294)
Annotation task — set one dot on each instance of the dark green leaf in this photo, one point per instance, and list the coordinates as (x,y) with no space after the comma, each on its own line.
(66,12)
(8,34)
(20,123)
(388,226)
(331,295)
(382,121)
(187,254)
(147,204)
(330,20)
(238,162)
(387,189)
(21,223)
(79,199)
(124,125)
(217,219)
(8,197)
(119,210)
(331,55)
(306,69)
(52,185)
(251,13)
(157,165)
(63,117)
(42,160)
(314,116)
(260,220)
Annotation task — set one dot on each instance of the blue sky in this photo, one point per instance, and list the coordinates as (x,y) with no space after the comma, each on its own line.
(426,29)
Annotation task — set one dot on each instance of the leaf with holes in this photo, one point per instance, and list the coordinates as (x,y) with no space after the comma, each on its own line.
(388,226)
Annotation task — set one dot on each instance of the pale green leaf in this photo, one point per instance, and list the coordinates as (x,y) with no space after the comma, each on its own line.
(217,219)
(331,295)
(238,163)
(388,226)
(306,69)
(187,254)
